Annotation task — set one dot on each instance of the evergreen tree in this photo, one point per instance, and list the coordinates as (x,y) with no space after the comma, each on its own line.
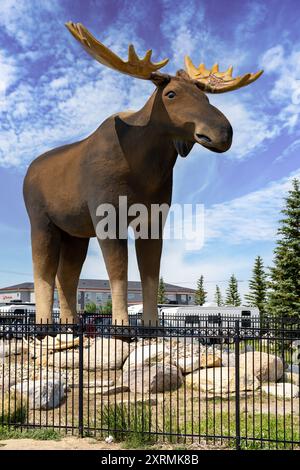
(218,297)
(200,294)
(232,294)
(257,296)
(161,298)
(90,308)
(284,297)
(107,308)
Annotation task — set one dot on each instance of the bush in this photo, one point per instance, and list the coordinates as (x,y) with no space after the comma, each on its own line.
(12,409)
(128,423)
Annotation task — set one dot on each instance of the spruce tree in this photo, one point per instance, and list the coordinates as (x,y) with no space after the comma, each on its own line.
(218,297)
(284,297)
(232,294)
(161,297)
(257,296)
(200,294)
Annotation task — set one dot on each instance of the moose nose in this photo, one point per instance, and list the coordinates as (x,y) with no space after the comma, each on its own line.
(203,138)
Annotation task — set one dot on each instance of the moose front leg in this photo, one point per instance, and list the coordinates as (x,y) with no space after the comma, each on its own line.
(115,256)
(148,252)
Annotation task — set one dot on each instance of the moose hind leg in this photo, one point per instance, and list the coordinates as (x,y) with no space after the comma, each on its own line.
(148,252)
(116,261)
(72,255)
(45,242)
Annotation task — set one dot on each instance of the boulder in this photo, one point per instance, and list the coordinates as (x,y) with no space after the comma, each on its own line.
(42,395)
(265,367)
(188,357)
(10,347)
(152,379)
(293,368)
(59,359)
(228,359)
(147,355)
(66,341)
(105,354)
(193,358)
(220,381)
(281,390)
(291,377)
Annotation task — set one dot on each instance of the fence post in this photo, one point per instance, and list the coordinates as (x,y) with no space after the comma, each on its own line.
(80,381)
(237,386)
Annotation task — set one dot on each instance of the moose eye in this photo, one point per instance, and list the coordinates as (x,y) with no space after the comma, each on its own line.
(171,94)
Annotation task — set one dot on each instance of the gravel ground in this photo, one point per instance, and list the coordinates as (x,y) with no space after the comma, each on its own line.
(75,443)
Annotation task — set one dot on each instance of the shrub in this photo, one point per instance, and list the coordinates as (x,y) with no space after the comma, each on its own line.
(128,423)
(12,409)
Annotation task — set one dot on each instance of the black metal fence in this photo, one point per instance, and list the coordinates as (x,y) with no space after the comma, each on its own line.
(217,382)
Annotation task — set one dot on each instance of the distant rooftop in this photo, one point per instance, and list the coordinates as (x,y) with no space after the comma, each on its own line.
(99,284)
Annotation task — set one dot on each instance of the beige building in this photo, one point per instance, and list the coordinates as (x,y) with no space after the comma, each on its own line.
(98,292)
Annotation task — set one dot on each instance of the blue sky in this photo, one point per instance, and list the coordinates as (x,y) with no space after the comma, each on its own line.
(52,93)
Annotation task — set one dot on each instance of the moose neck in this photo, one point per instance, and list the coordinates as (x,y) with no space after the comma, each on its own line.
(147,144)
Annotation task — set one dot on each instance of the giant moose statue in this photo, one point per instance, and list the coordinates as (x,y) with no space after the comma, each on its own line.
(131,154)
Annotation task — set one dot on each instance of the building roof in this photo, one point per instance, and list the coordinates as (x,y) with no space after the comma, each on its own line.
(99,284)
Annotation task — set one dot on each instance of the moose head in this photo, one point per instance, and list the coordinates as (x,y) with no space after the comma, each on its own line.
(183,97)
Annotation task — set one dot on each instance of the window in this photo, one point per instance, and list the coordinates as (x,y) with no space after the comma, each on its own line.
(214,319)
(192,320)
(246,313)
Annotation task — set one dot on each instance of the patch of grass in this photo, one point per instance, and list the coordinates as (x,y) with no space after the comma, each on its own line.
(130,424)
(9,432)
(12,410)
(257,428)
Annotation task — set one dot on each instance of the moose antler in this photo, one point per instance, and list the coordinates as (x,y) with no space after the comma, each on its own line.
(213,81)
(136,67)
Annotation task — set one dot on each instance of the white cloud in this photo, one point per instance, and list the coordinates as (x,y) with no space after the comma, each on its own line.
(272,58)
(250,218)
(22,20)
(283,65)
(8,74)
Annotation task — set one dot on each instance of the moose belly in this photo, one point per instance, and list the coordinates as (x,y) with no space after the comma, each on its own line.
(77,223)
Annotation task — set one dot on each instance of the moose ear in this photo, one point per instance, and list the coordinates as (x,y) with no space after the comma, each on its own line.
(159,78)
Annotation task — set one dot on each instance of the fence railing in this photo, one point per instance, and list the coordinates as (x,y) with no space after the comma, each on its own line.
(220,383)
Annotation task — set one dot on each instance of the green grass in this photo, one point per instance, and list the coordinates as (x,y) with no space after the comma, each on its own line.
(119,421)
(9,432)
(12,410)
(128,424)
(263,426)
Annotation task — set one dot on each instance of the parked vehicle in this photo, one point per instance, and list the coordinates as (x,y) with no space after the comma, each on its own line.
(16,318)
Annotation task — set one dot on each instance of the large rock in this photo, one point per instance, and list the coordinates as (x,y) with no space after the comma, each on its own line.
(265,367)
(189,357)
(10,347)
(295,368)
(220,381)
(148,355)
(228,359)
(152,379)
(194,357)
(281,390)
(60,359)
(105,354)
(44,395)
(291,377)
